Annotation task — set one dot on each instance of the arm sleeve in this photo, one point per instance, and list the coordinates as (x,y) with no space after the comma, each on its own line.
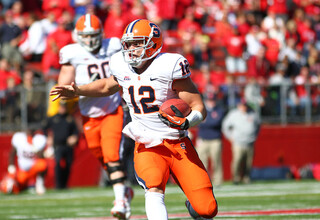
(181,69)
(39,142)
(65,55)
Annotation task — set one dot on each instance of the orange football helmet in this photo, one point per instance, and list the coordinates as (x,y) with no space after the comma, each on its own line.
(89,32)
(148,33)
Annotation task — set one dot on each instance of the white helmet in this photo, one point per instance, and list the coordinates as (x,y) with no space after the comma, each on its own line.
(88,31)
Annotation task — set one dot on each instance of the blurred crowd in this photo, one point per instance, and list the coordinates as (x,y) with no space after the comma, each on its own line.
(247,43)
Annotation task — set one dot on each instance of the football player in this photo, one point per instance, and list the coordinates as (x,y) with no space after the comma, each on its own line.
(28,148)
(148,78)
(85,61)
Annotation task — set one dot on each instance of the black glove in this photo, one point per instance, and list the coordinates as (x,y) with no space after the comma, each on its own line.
(177,122)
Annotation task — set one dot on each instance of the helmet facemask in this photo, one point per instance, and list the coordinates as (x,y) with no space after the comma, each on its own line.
(90,41)
(147,45)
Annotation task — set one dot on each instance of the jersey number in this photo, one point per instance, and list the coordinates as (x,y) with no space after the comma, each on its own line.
(185,67)
(94,73)
(145,100)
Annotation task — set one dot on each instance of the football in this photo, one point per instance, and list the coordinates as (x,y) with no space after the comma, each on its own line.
(183,107)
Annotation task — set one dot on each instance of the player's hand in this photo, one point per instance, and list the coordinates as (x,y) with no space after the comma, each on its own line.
(64,92)
(11,169)
(177,122)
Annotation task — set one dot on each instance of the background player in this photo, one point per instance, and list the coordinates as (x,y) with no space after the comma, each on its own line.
(27,148)
(84,62)
(148,79)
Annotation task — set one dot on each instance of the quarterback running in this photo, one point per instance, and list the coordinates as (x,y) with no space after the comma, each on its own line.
(147,79)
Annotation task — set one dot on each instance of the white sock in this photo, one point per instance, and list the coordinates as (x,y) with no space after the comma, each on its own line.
(119,190)
(39,181)
(155,207)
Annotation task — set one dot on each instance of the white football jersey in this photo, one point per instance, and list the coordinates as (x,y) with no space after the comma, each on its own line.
(90,67)
(145,93)
(26,152)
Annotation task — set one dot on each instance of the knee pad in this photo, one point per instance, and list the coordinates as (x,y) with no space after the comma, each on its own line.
(112,169)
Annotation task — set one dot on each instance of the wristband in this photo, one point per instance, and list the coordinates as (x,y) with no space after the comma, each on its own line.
(195,117)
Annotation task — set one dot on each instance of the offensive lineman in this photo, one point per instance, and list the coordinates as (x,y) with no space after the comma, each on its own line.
(147,79)
(103,117)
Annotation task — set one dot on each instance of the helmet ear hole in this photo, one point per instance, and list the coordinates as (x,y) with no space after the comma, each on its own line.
(154,46)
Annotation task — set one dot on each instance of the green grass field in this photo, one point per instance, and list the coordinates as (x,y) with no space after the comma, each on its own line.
(259,200)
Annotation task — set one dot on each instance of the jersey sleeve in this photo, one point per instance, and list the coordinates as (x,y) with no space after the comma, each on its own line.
(39,142)
(116,44)
(16,138)
(65,55)
(115,62)
(181,68)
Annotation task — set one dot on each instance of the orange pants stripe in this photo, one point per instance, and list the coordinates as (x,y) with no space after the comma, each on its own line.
(180,159)
(104,135)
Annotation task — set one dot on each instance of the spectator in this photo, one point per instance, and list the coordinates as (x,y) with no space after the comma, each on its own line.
(268,21)
(10,35)
(116,21)
(291,32)
(202,51)
(272,50)
(188,28)
(209,144)
(33,97)
(303,83)
(202,78)
(17,11)
(80,7)
(235,46)
(137,10)
(306,32)
(242,24)
(279,8)
(152,11)
(289,51)
(57,7)
(252,94)
(275,82)
(241,127)
(55,41)
(188,51)
(253,40)
(35,44)
(167,11)
(11,104)
(7,72)
(259,66)
(27,147)
(64,133)
(48,23)
(231,92)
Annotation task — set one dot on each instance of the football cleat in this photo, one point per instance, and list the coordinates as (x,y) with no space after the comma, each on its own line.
(89,32)
(9,185)
(127,199)
(141,32)
(119,209)
(40,189)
